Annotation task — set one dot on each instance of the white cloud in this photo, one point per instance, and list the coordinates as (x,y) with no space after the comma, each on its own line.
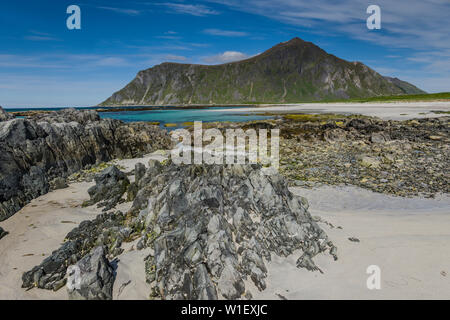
(172,57)
(420,26)
(191,9)
(40,36)
(406,23)
(227,56)
(111,61)
(225,33)
(130,12)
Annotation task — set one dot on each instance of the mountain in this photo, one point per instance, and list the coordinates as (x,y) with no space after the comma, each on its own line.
(292,71)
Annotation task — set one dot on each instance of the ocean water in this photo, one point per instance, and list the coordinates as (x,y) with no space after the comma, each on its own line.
(173,115)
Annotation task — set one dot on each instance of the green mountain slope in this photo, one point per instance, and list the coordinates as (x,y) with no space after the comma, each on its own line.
(292,71)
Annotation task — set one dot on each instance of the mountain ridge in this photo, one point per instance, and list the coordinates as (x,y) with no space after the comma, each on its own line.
(289,72)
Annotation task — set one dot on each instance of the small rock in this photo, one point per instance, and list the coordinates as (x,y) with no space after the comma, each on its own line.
(110,185)
(2,233)
(379,137)
(370,162)
(58,183)
(281,296)
(139,171)
(96,277)
(353,239)
(5,116)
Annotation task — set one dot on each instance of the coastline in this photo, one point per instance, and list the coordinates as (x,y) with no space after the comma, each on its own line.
(382,110)
(406,236)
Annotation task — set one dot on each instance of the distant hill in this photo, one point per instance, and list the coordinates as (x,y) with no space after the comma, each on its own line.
(292,71)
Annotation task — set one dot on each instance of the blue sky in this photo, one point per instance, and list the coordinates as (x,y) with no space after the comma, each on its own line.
(42,63)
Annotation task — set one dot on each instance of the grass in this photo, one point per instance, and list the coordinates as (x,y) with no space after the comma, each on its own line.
(441,112)
(323,117)
(407,97)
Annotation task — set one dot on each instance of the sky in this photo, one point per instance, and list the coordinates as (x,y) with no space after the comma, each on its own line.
(44,64)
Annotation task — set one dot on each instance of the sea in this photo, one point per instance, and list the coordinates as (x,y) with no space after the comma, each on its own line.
(177,117)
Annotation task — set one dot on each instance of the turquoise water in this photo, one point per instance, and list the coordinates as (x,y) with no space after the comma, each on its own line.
(180,116)
(173,115)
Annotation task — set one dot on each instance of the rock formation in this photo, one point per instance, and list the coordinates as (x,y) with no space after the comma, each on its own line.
(105,230)
(3,233)
(94,278)
(110,186)
(5,116)
(36,150)
(213,227)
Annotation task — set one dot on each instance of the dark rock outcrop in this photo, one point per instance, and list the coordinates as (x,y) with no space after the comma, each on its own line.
(105,230)
(212,227)
(5,116)
(3,233)
(36,150)
(110,186)
(93,277)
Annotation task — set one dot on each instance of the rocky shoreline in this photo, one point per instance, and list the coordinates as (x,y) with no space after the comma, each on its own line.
(39,149)
(208,236)
(211,230)
(403,158)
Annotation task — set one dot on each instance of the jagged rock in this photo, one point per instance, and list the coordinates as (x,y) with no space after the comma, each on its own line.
(105,230)
(139,171)
(370,162)
(38,149)
(96,277)
(379,137)
(58,183)
(5,116)
(53,269)
(110,186)
(132,191)
(133,188)
(335,135)
(211,227)
(3,233)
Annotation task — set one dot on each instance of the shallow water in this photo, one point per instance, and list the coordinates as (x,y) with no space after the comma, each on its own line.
(179,116)
(172,115)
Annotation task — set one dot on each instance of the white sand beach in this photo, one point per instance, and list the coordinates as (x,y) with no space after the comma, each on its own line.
(40,227)
(406,237)
(383,110)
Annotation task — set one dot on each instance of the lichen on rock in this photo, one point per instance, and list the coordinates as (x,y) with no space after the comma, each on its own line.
(212,227)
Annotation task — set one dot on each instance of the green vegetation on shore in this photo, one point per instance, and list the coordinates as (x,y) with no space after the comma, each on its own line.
(405,97)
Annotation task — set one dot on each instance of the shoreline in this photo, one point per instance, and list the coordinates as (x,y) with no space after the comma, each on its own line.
(406,237)
(382,110)
(393,110)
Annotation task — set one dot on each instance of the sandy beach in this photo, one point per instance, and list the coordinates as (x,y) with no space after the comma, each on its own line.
(383,110)
(406,237)
(40,227)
